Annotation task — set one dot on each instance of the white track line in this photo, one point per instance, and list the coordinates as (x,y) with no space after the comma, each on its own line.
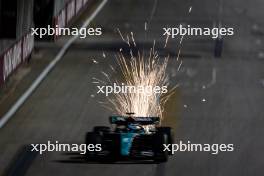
(45,72)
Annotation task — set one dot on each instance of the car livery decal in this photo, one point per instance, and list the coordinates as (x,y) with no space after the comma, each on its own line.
(126,143)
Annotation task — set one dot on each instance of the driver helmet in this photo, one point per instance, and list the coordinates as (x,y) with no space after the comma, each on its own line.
(134,127)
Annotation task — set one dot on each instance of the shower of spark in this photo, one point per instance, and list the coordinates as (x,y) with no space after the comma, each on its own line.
(139,70)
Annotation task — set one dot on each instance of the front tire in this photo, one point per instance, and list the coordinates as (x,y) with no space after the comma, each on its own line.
(159,154)
(167,131)
(92,138)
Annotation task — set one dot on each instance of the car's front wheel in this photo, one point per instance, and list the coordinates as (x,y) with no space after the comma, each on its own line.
(92,138)
(159,154)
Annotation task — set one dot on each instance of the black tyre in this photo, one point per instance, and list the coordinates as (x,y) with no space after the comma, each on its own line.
(101,129)
(168,132)
(92,138)
(160,155)
(113,147)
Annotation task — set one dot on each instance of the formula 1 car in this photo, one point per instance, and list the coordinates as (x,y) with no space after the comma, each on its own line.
(131,138)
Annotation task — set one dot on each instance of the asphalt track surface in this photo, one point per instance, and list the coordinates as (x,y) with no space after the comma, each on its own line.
(63,109)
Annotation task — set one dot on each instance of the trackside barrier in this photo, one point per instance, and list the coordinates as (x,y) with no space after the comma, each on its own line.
(27,46)
(78,6)
(68,12)
(14,56)
(46,71)
(1,70)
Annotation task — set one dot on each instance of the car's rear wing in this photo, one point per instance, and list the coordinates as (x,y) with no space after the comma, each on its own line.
(123,120)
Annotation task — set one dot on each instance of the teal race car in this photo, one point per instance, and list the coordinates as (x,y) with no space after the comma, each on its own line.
(130,138)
